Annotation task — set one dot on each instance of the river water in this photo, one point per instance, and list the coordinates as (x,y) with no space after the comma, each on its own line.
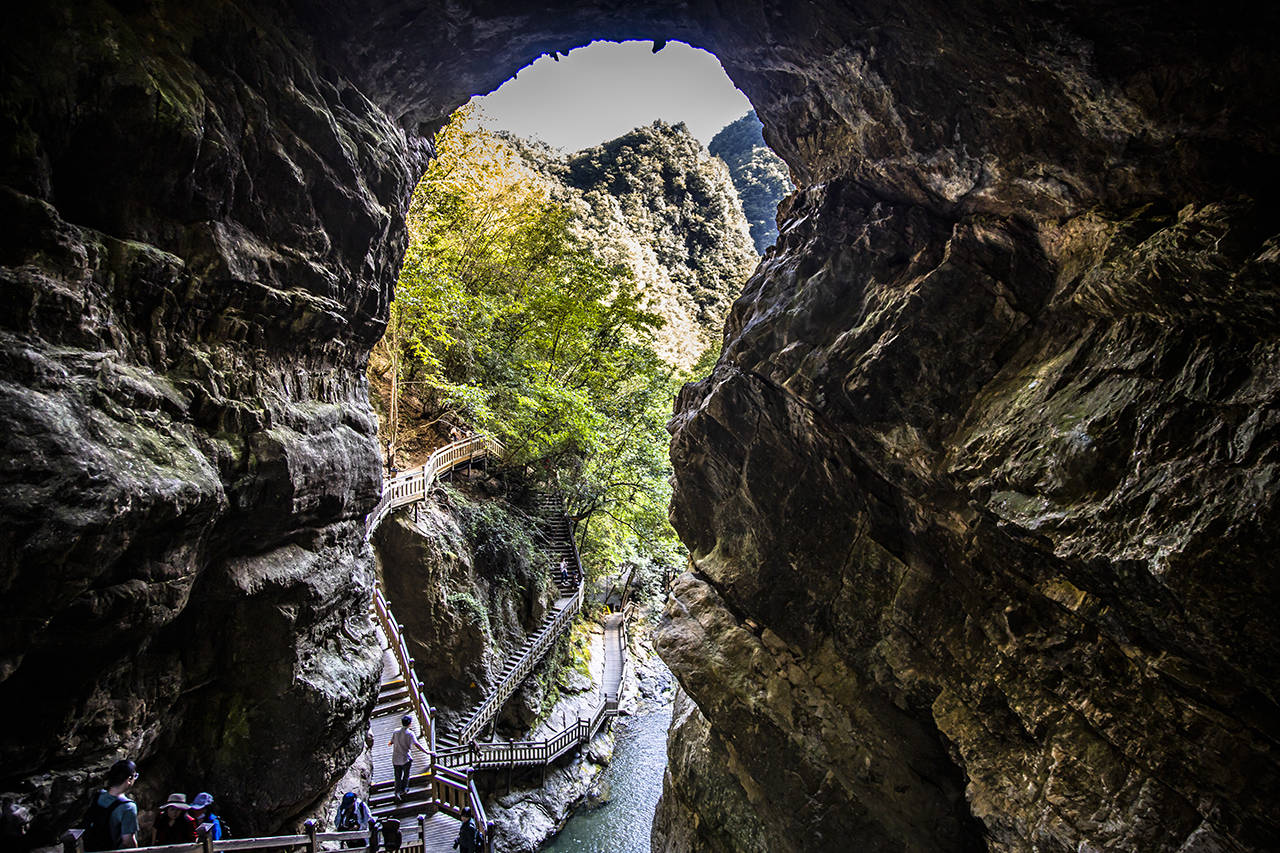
(634,782)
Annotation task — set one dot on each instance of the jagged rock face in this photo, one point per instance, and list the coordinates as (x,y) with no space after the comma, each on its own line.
(193,265)
(980,494)
(466,593)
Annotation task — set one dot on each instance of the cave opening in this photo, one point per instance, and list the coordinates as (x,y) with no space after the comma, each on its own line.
(607,262)
(1017,349)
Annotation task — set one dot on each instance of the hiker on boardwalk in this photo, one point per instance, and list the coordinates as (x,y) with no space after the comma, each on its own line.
(175,825)
(470,839)
(202,812)
(353,813)
(564,571)
(112,821)
(402,740)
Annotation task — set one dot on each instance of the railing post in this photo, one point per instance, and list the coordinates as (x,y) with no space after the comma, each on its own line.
(205,833)
(313,844)
(73,841)
(422,832)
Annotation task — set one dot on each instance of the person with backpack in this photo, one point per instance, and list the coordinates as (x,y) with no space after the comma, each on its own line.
(112,820)
(402,739)
(470,839)
(353,813)
(202,812)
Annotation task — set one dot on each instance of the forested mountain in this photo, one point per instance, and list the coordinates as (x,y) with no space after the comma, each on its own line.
(759,175)
(656,201)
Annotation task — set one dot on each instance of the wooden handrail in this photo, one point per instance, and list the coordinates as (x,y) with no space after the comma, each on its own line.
(533,752)
(266,842)
(413,485)
(400,650)
(549,634)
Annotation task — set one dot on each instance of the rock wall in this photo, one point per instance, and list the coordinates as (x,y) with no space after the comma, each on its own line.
(981,494)
(198,231)
(466,582)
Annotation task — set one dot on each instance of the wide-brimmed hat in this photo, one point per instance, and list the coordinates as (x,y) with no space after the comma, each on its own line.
(202,800)
(176,801)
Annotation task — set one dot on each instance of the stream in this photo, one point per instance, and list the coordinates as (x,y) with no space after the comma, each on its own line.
(634,782)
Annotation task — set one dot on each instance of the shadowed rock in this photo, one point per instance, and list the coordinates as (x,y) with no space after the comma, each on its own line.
(981,495)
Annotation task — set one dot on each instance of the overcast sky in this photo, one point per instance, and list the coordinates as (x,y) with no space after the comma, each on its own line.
(601,91)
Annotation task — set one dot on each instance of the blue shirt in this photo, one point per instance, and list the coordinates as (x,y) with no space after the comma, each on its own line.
(124,817)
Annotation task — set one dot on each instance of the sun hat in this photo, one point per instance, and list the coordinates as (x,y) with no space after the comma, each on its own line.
(202,801)
(176,801)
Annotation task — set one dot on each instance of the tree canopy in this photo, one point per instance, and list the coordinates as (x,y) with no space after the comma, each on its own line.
(508,321)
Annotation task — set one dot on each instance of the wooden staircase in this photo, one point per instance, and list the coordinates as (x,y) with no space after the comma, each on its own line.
(559,546)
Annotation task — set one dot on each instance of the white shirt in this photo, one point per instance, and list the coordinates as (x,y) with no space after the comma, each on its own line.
(401,740)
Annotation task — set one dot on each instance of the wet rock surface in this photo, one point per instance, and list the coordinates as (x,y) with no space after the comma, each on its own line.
(981,495)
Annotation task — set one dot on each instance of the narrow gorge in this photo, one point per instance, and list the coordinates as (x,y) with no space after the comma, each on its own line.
(980,497)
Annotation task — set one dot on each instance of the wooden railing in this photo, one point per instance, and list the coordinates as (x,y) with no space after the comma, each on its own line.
(424,713)
(311,839)
(455,790)
(549,634)
(413,485)
(522,753)
(525,753)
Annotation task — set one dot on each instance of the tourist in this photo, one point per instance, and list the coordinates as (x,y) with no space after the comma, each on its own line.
(15,818)
(175,825)
(564,572)
(470,839)
(353,813)
(202,812)
(402,739)
(112,820)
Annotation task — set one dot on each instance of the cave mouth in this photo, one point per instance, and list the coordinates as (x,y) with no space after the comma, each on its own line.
(209,207)
(634,161)
(604,89)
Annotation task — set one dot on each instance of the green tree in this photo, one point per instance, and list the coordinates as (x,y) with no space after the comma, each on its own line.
(513,323)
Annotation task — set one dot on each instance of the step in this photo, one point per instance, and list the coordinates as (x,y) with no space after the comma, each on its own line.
(385,693)
(386,708)
(415,800)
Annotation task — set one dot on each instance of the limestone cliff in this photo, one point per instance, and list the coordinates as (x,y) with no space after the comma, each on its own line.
(468,584)
(758,174)
(655,200)
(981,495)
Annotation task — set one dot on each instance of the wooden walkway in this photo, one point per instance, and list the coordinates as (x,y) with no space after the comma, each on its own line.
(442,784)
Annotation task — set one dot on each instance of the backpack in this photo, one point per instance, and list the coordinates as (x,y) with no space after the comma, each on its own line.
(97,824)
(391,838)
(223,830)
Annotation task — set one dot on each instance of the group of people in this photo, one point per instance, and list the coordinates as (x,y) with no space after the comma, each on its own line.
(112,820)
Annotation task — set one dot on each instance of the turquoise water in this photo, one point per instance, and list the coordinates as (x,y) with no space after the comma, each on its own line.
(634,781)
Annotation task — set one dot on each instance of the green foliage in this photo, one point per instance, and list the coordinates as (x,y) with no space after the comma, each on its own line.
(656,200)
(464,602)
(515,323)
(761,177)
(503,542)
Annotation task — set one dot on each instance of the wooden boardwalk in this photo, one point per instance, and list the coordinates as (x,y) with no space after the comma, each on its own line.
(442,783)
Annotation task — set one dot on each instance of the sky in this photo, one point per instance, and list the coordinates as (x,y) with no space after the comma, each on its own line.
(605,89)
